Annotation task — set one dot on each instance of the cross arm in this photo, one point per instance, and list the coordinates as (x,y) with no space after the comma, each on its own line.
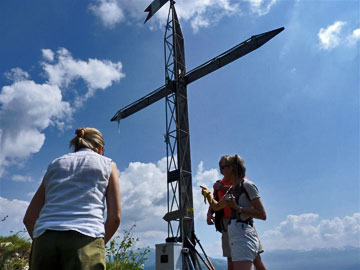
(231,55)
(217,62)
(143,102)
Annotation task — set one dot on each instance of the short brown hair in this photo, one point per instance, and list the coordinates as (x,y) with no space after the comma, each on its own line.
(237,164)
(224,158)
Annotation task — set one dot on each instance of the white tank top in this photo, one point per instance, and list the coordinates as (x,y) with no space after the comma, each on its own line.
(75,187)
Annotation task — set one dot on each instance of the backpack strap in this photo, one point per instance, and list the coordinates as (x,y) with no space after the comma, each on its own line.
(243,190)
(238,190)
(218,214)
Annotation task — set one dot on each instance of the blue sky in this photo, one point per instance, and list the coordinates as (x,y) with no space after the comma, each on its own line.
(290,108)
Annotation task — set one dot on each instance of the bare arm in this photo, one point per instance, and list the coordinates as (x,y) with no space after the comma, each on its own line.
(256,210)
(218,205)
(33,211)
(215,205)
(113,202)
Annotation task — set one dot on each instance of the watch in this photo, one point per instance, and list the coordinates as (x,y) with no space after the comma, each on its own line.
(240,209)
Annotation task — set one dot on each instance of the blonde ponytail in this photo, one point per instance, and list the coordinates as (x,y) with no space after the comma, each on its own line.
(87,138)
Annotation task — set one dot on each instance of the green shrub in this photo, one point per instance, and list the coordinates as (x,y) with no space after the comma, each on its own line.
(14,252)
(123,256)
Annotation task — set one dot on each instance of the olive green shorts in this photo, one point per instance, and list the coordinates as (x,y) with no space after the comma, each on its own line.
(67,250)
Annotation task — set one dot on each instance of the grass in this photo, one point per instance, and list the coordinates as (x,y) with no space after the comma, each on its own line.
(14,252)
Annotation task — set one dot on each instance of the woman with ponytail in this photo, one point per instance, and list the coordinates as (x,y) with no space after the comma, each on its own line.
(245,202)
(65,218)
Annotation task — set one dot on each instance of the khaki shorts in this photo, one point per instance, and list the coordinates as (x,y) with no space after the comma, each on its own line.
(225,238)
(67,250)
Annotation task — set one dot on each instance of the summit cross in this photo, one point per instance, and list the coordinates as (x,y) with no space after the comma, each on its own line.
(177,137)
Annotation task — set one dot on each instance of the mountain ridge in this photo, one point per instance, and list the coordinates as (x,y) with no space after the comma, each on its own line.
(347,258)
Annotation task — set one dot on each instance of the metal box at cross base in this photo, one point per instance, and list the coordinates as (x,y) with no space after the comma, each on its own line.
(168,256)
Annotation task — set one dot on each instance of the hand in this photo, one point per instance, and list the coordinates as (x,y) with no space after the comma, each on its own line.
(204,190)
(218,185)
(210,219)
(206,193)
(232,202)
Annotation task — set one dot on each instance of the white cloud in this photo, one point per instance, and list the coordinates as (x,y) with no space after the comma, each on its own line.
(354,37)
(48,54)
(27,108)
(330,37)
(261,7)
(16,74)
(206,178)
(97,74)
(307,231)
(108,11)
(13,213)
(336,35)
(199,13)
(21,178)
(143,188)
(144,198)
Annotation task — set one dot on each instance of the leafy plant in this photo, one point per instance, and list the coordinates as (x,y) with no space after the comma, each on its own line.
(14,252)
(123,255)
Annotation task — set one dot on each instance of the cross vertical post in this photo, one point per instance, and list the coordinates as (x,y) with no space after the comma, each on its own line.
(177,138)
